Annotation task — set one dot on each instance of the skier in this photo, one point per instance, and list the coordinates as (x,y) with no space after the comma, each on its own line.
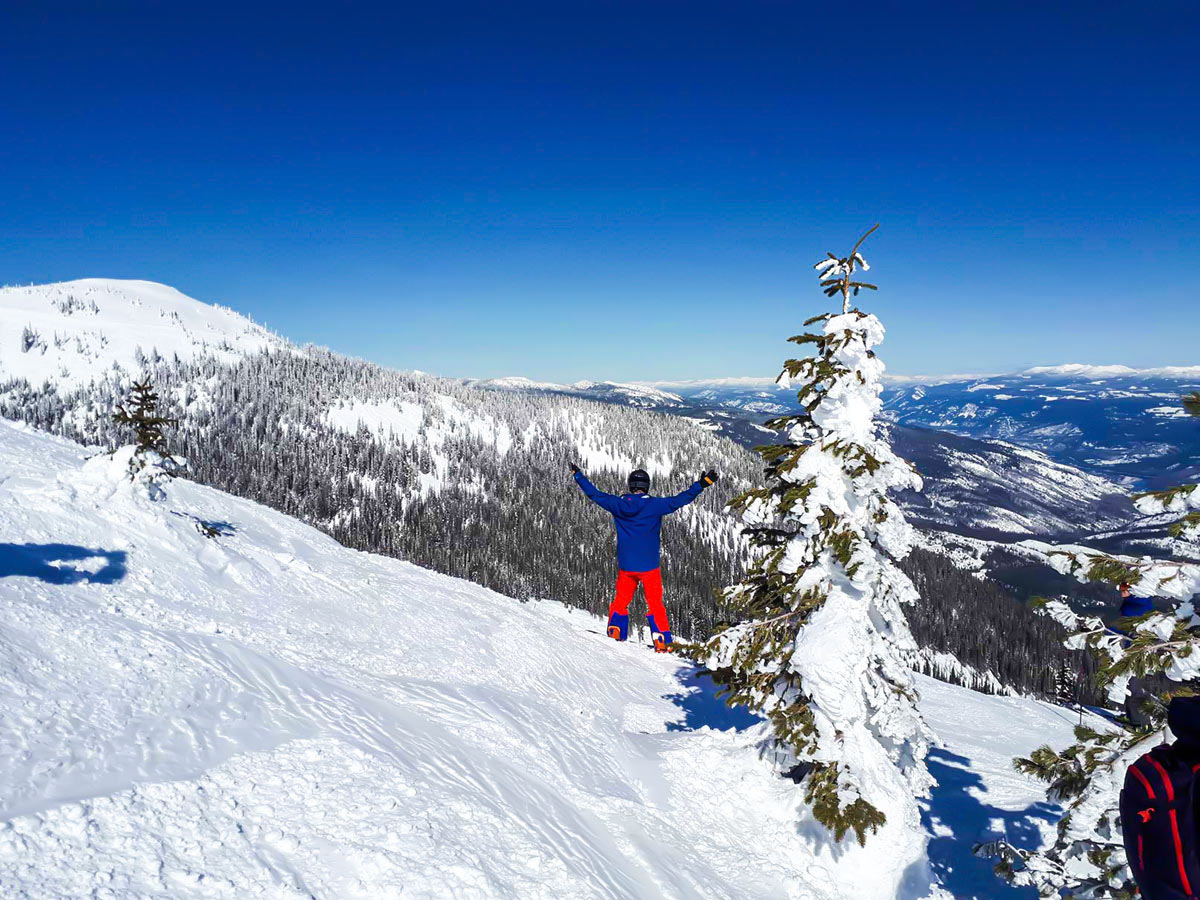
(1139,688)
(1131,606)
(1158,814)
(638,519)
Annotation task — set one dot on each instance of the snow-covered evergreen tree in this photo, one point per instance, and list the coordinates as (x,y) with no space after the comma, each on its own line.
(149,458)
(1087,859)
(820,642)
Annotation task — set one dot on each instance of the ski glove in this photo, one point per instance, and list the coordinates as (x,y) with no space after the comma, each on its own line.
(574,469)
(707,478)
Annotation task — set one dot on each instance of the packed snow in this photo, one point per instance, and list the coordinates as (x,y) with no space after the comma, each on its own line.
(75,332)
(268,714)
(392,420)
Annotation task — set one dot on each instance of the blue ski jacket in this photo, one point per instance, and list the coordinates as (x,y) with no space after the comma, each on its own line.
(1132,607)
(638,518)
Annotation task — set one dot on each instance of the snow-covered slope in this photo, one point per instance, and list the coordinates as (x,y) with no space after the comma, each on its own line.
(74,332)
(267,713)
(626,393)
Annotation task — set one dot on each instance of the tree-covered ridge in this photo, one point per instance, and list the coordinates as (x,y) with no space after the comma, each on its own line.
(999,637)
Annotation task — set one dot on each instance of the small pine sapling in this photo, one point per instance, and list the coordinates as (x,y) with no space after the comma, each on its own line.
(150,447)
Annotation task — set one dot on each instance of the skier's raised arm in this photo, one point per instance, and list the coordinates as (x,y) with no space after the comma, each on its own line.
(668,505)
(593,493)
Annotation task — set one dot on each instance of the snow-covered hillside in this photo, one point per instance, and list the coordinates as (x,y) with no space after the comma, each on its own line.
(73,332)
(408,464)
(267,713)
(626,393)
(992,488)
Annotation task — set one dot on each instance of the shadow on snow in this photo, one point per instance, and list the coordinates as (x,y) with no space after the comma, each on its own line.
(959,805)
(701,706)
(208,527)
(62,563)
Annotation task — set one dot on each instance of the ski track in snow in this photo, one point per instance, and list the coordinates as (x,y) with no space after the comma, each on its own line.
(269,714)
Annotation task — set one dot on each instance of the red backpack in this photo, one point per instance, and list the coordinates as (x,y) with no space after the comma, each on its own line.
(1158,824)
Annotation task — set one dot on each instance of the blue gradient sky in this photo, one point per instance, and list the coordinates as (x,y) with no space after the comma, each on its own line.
(635,191)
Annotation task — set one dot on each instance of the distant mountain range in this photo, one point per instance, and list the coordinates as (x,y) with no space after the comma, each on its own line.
(1115,421)
(1111,419)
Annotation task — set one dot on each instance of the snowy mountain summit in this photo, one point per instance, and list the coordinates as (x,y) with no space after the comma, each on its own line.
(74,332)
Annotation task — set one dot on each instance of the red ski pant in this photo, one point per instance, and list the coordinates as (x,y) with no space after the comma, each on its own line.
(651,583)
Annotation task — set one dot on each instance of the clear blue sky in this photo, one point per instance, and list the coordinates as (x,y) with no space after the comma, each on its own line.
(636,191)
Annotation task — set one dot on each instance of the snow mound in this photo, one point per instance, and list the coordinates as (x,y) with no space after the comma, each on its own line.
(74,332)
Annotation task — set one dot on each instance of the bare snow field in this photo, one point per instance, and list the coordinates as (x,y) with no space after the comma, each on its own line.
(269,714)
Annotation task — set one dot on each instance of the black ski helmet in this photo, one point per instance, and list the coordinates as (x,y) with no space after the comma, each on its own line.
(639,480)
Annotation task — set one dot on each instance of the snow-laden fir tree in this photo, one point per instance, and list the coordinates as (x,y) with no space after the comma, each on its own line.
(1087,859)
(819,642)
(149,458)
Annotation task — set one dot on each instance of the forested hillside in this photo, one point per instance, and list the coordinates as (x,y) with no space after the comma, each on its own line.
(999,637)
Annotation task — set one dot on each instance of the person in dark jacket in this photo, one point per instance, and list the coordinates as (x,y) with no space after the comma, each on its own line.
(1139,688)
(1131,606)
(638,519)
(1158,810)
